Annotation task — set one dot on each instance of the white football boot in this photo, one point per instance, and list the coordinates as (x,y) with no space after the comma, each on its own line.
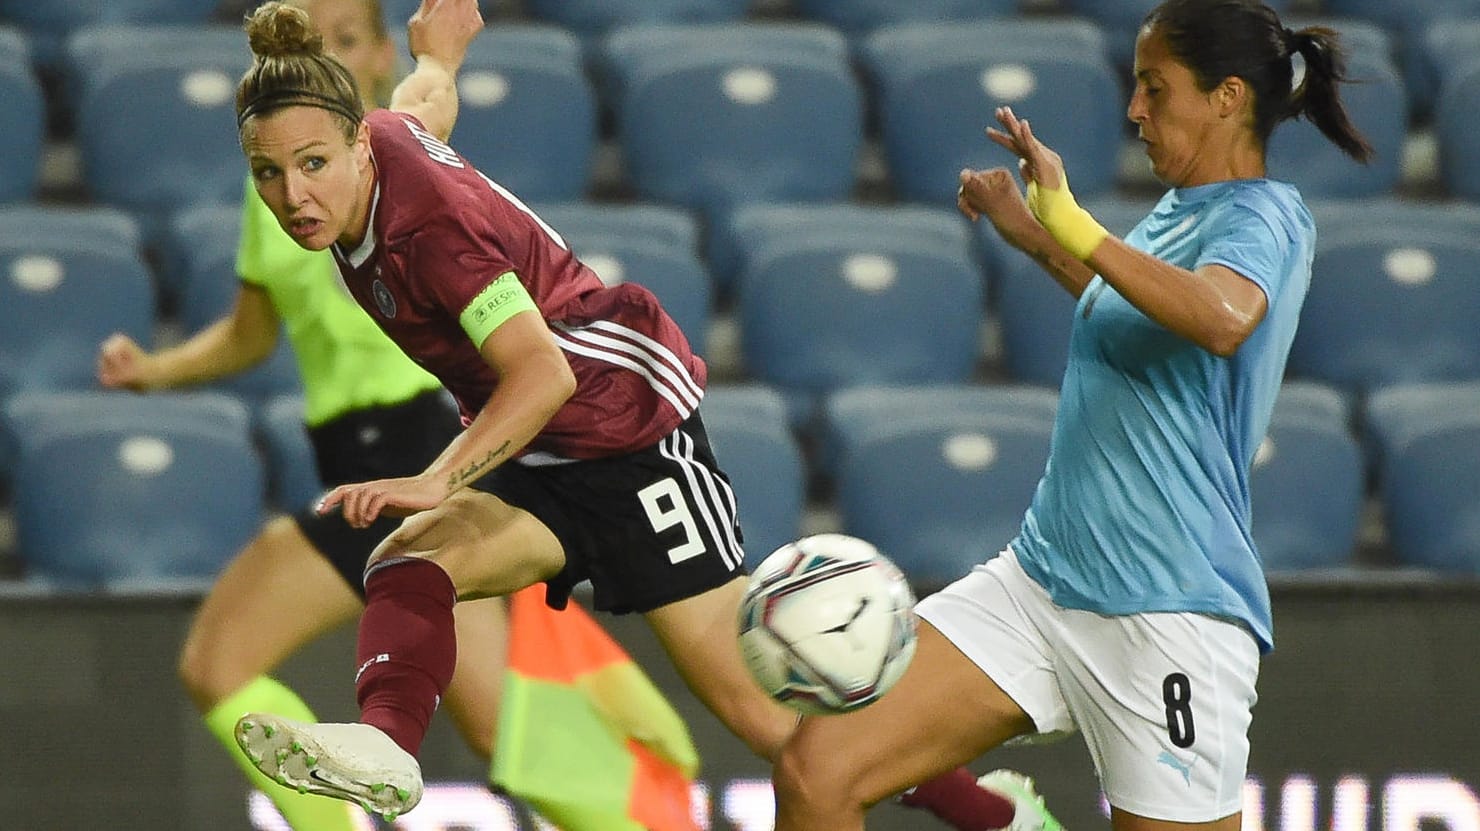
(354,762)
(1030,814)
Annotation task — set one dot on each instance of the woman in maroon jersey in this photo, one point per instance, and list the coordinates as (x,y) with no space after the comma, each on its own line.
(584,456)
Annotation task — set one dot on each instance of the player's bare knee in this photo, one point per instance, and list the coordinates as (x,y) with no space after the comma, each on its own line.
(189,669)
(206,669)
(802,776)
(276,533)
(755,722)
(766,724)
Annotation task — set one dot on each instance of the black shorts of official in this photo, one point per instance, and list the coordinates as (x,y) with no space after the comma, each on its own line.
(646,528)
(364,445)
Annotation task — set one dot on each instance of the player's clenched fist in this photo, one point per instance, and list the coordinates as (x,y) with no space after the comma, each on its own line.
(122,363)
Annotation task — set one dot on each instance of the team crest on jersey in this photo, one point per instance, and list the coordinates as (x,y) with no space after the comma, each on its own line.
(383,299)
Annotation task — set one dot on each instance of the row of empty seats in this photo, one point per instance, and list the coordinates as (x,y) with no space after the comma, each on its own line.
(937,476)
(719,118)
(594,17)
(824,297)
(710,116)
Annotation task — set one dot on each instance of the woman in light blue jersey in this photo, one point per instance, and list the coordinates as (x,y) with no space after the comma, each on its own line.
(1132,605)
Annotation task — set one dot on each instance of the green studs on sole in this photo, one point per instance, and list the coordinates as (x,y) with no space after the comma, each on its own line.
(268,730)
(377,788)
(403,794)
(310,760)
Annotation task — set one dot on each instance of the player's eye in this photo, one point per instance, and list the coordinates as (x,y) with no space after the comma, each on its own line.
(263,174)
(313,163)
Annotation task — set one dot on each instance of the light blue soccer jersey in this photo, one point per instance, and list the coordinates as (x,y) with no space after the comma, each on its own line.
(1144,504)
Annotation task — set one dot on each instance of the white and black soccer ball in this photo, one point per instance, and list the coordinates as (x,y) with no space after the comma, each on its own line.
(826,625)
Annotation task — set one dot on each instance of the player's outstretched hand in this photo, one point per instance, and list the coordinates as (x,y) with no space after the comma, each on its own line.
(995,195)
(123,364)
(362,503)
(1036,162)
(442,29)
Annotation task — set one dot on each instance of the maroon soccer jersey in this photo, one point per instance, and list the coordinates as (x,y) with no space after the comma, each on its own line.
(441,232)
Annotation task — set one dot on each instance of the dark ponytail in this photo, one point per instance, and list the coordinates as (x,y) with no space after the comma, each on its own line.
(1318,97)
(1218,39)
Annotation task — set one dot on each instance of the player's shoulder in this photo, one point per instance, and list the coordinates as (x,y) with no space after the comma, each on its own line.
(417,176)
(383,118)
(1276,204)
(398,137)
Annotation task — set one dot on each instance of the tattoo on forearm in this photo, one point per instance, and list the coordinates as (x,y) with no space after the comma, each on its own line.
(475,469)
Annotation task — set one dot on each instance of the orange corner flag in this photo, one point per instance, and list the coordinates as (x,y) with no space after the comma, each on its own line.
(584,736)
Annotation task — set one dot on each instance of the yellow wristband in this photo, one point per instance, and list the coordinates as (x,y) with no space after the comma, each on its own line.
(1070,225)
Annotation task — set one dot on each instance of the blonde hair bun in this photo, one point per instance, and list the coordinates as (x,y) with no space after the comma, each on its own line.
(279,29)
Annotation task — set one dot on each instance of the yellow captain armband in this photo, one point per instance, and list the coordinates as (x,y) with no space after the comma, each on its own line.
(1070,225)
(499,301)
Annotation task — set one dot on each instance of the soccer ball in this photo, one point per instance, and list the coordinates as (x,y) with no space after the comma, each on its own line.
(826,625)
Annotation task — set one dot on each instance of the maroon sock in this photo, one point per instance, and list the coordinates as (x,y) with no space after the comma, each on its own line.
(955,798)
(407,649)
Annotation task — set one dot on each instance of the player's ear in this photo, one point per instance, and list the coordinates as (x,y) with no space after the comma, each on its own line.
(361,146)
(1230,96)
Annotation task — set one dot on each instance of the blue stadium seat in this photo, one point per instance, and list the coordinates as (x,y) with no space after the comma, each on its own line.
(850,298)
(595,17)
(849,414)
(659,224)
(293,479)
(1393,296)
(719,115)
(1121,19)
(198,249)
(749,228)
(50,22)
(938,482)
(937,85)
(527,114)
(1377,104)
(1456,120)
(22,119)
(1034,311)
(199,242)
(30,412)
(398,12)
(747,427)
(1307,482)
(128,81)
(173,486)
(1428,439)
(1408,22)
(654,245)
(860,16)
(1360,38)
(69,277)
(1447,47)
